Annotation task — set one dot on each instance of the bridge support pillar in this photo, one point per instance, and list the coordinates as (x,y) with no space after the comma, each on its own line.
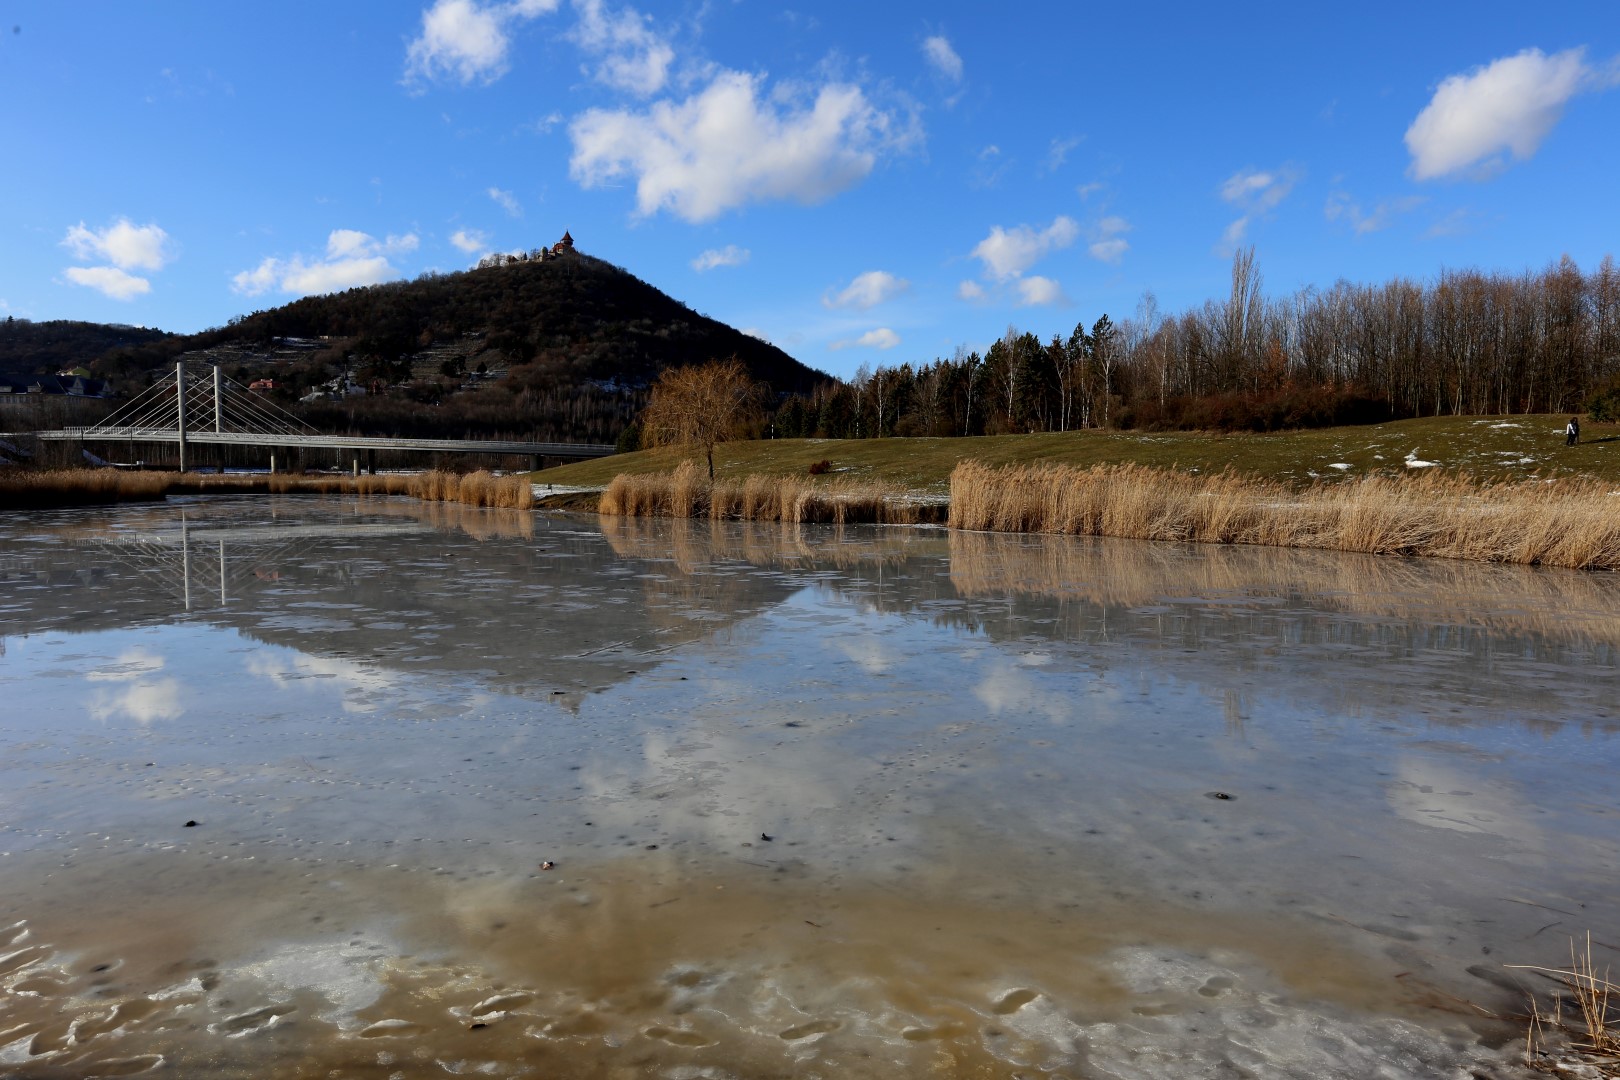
(180,410)
(355,470)
(371,461)
(272,464)
(534,462)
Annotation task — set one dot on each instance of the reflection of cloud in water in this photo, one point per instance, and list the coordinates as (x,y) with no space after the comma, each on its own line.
(1012,689)
(359,682)
(869,651)
(139,697)
(1442,797)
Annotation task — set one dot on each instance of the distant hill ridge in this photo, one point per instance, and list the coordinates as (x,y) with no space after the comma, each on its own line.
(557,344)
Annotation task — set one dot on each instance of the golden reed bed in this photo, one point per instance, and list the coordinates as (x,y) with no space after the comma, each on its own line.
(1573,522)
(688,493)
(79,487)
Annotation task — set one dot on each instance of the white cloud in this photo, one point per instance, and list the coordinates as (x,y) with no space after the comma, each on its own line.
(1035,291)
(506,201)
(867,291)
(352,258)
(109,280)
(1341,207)
(970,290)
(726,146)
(730,255)
(937,49)
(1059,151)
(1510,105)
(634,58)
(124,244)
(755,332)
(1086,191)
(1107,242)
(881,338)
(1007,253)
(469,240)
(1257,193)
(466,40)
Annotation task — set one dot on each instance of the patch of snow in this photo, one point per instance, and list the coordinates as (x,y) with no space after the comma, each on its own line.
(1413,462)
(1341,465)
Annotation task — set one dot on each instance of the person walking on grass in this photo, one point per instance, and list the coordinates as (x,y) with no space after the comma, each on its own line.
(1572,432)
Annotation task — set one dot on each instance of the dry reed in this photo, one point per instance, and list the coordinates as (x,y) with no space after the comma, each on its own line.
(1591,1037)
(687,493)
(28,489)
(1574,522)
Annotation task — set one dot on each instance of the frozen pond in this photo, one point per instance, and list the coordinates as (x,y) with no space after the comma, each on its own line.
(279,778)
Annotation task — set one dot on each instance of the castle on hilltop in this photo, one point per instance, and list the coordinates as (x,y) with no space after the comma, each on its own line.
(563,247)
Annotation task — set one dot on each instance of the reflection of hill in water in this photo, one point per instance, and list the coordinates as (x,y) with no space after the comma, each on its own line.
(526,605)
(534,604)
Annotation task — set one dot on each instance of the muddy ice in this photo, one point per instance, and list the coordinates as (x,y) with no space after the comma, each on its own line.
(279,778)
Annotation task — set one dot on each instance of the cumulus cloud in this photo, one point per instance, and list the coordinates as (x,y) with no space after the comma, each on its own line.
(881,338)
(1341,207)
(469,240)
(1107,239)
(1508,106)
(466,40)
(728,145)
(506,201)
(1036,291)
(1257,193)
(633,57)
(109,280)
(1007,253)
(867,291)
(123,244)
(352,259)
(937,50)
(971,291)
(730,255)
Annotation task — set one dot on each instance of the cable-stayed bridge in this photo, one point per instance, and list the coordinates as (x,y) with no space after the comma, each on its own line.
(191,408)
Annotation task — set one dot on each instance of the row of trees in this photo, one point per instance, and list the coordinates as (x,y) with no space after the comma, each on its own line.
(1467,342)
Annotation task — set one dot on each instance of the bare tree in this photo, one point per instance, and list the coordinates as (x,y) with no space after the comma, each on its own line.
(702,406)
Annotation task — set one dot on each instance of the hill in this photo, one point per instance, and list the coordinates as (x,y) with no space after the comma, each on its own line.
(45,348)
(557,345)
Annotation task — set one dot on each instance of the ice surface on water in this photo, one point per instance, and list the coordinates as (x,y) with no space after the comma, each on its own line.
(986,767)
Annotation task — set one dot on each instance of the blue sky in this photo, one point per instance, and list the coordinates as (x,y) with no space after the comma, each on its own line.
(859,183)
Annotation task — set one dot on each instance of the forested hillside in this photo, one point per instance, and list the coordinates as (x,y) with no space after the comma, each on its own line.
(45,348)
(561,347)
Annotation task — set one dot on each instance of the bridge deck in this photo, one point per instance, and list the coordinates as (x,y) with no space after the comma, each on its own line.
(334,442)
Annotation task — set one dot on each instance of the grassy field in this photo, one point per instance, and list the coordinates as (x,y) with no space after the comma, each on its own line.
(1489,448)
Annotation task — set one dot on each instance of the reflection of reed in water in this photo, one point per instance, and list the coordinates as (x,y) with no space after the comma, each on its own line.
(1558,605)
(478,522)
(696,543)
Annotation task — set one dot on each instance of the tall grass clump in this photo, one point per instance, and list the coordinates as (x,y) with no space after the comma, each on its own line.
(1573,522)
(688,493)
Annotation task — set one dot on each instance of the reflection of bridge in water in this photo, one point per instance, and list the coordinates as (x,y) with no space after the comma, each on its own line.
(215,411)
(192,563)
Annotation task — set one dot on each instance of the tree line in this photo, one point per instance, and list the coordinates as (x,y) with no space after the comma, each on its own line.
(1466,342)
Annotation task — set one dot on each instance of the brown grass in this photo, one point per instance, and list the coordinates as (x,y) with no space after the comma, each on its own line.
(27,489)
(1573,522)
(687,493)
